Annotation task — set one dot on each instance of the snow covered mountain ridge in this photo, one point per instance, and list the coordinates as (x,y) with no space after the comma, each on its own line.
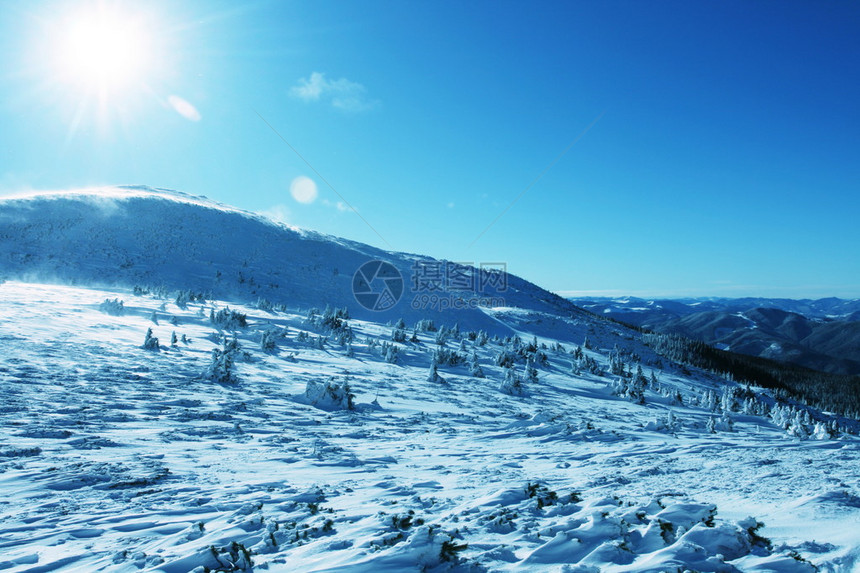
(821,334)
(128,236)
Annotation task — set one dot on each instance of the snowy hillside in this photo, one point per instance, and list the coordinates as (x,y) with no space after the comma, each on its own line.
(163,413)
(155,238)
(117,457)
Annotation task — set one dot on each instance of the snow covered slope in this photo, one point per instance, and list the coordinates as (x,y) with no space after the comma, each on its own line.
(116,457)
(161,431)
(129,236)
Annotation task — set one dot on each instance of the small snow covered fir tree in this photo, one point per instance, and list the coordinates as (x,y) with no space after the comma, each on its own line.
(434,373)
(391,353)
(268,340)
(150,342)
(474,366)
(531,372)
(113,307)
(512,384)
(221,367)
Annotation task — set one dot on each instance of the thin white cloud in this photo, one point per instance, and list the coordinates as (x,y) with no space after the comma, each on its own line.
(342,93)
(339,205)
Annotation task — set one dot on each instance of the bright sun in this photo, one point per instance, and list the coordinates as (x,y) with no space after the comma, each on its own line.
(104,51)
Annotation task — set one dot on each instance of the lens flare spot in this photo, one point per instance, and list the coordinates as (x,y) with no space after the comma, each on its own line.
(303,189)
(184,108)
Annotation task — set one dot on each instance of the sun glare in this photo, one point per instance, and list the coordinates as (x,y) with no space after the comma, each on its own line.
(104,51)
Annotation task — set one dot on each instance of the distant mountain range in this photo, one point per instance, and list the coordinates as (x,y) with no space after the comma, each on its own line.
(821,334)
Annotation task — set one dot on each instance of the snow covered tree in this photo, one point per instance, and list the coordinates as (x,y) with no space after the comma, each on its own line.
(481,339)
(512,384)
(221,367)
(268,340)
(711,425)
(113,307)
(474,366)
(434,373)
(398,334)
(726,422)
(150,342)
(531,372)
(390,353)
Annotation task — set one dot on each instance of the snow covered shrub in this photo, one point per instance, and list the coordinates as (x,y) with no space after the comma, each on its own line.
(446,357)
(221,368)
(150,342)
(434,373)
(711,425)
(822,432)
(330,319)
(475,369)
(390,352)
(427,548)
(588,364)
(531,372)
(329,395)
(233,557)
(226,319)
(542,493)
(512,384)
(398,335)
(222,365)
(506,359)
(268,339)
(183,297)
(425,325)
(631,389)
(332,322)
(726,424)
(113,307)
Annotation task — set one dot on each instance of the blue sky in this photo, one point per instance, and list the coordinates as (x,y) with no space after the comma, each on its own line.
(724,158)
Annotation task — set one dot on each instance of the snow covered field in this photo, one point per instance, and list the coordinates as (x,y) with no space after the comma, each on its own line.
(114,457)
